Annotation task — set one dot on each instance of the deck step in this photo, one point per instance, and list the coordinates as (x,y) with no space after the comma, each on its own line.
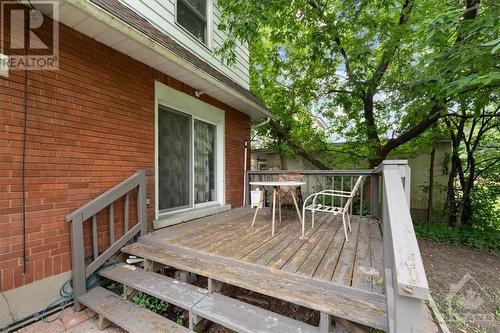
(356,305)
(126,314)
(245,318)
(172,291)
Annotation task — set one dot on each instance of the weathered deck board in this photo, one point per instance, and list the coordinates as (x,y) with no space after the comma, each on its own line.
(328,263)
(243,317)
(262,235)
(377,258)
(311,263)
(131,317)
(263,248)
(321,254)
(364,307)
(362,272)
(181,294)
(294,263)
(247,241)
(277,248)
(225,247)
(289,251)
(343,271)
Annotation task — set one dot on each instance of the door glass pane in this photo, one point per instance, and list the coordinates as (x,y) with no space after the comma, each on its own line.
(174,159)
(204,162)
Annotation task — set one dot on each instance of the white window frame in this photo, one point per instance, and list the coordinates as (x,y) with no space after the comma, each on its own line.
(209,27)
(176,100)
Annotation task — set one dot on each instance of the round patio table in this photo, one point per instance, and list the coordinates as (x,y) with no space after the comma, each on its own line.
(276,185)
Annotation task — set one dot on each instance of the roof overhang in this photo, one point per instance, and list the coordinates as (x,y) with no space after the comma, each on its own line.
(95,22)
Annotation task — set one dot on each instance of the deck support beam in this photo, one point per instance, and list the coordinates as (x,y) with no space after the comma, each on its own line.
(103,323)
(325,322)
(128,292)
(151,266)
(349,326)
(214,286)
(194,320)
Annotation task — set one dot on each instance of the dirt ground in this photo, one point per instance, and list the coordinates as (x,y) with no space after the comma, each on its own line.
(465,284)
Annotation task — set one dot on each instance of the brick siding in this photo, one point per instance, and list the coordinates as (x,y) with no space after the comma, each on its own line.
(90,125)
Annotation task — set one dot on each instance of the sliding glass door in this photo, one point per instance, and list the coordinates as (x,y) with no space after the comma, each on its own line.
(174,160)
(204,162)
(187,165)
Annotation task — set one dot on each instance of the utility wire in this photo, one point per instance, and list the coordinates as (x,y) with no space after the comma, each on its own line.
(25,137)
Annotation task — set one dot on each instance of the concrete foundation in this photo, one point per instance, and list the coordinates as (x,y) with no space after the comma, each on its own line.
(19,303)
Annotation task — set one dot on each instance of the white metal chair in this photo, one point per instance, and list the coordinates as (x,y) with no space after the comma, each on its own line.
(336,210)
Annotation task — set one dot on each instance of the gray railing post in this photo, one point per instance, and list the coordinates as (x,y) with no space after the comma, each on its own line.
(405,172)
(79,271)
(141,203)
(78,260)
(245,189)
(406,285)
(374,195)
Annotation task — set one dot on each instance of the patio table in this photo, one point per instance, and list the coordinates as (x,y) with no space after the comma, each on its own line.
(276,185)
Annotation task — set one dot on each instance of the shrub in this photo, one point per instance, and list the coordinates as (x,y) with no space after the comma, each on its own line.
(484,238)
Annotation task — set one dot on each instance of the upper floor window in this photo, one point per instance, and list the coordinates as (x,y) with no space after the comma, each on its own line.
(192,16)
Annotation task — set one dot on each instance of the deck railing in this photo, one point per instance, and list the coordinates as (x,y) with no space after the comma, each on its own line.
(318,180)
(406,284)
(386,196)
(81,271)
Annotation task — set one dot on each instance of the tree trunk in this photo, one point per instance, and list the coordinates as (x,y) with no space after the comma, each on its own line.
(372,132)
(431,185)
(456,167)
(463,209)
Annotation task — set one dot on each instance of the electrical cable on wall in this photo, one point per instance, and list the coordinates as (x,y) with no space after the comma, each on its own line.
(25,139)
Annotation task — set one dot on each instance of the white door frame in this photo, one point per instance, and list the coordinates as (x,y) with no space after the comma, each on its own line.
(197,109)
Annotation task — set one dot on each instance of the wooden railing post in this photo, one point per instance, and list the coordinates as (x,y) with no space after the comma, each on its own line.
(78,260)
(405,172)
(246,198)
(374,195)
(406,285)
(141,203)
(80,272)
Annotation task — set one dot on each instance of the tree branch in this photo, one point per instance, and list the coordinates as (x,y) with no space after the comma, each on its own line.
(486,168)
(336,38)
(416,130)
(389,49)
(285,136)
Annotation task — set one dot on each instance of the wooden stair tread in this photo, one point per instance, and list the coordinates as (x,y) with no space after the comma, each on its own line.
(246,318)
(363,307)
(172,291)
(126,314)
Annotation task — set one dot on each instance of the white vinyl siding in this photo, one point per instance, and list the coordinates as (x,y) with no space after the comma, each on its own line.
(162,14)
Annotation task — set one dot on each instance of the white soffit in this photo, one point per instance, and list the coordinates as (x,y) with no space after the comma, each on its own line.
(80,20)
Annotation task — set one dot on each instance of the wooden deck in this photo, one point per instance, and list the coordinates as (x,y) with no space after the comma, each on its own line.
(320,271)
(323,253)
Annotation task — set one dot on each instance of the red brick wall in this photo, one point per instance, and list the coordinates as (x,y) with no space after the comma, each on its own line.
(90,125)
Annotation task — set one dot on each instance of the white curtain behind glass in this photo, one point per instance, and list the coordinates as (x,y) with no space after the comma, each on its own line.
(204,162)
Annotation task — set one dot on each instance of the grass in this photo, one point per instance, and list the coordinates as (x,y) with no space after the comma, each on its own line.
(478,238)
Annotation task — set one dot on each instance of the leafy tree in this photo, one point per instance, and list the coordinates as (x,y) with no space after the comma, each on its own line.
(381,72)
(465,71)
